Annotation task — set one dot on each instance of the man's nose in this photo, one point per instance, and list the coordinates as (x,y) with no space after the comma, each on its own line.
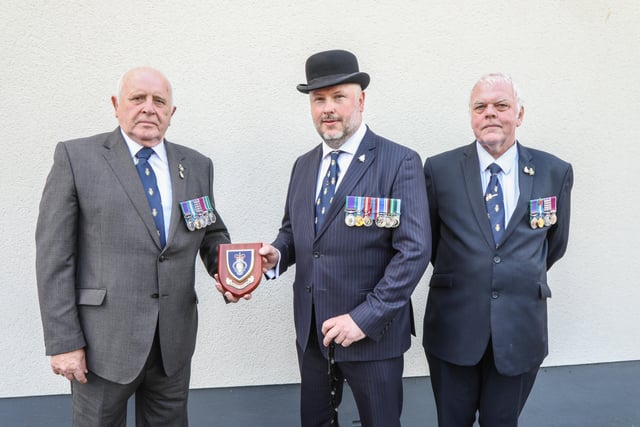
(148,106)
(490,111)
(329,107)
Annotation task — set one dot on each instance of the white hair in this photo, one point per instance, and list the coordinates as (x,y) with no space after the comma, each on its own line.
(121,82)
(493,78)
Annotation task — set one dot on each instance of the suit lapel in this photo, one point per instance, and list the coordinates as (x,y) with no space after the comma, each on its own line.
(308,187)
(118,157)
(361,161)
(471,172)
(525,183)
(177,164)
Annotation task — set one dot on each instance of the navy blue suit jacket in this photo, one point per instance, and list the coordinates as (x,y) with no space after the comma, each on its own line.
(367,272)
(478,291)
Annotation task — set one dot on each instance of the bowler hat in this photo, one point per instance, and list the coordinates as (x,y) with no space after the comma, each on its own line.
(331,68)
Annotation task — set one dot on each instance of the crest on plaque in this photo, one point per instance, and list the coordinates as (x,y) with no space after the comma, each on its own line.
(240,263)
(239,267)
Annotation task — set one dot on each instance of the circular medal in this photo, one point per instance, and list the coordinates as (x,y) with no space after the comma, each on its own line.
(350,220)
(553,218)
(359,221)
(547,221)
(190,225)
(388,222)
(380,220)
(367,221)
(534,223)
(540,222)
(396,221)
(200,223)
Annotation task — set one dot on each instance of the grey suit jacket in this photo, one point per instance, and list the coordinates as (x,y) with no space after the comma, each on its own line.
(104,282)
(478,291)
(367,272)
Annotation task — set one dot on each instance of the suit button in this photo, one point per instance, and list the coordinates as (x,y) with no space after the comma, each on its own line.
(495,294)
(308,288)
(496,259)
(154,296)
(163,258)
(316,254)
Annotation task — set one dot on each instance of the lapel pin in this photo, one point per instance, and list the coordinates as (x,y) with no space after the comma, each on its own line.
(181,170)
(361,158)
(529,171)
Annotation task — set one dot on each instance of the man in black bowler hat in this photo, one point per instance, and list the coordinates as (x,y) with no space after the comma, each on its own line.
(356,225)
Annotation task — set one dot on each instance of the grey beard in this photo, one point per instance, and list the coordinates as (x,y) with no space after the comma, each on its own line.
(336,141)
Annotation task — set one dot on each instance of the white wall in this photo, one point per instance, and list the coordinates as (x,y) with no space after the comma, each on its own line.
(234,66)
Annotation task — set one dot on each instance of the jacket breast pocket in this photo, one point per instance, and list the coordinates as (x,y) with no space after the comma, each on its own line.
(88,296)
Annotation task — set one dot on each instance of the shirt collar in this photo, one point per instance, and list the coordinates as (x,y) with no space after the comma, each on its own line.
(351,145)
(506,162)
(134,147)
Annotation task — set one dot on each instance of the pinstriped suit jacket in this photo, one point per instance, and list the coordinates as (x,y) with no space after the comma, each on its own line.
(478,291)
(104,282)
(367,272)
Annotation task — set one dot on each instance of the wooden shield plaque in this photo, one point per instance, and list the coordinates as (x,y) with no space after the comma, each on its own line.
(239,267)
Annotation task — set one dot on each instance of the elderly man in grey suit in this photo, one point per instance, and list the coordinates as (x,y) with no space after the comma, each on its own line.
(356,226)
(122,218)
(500,220)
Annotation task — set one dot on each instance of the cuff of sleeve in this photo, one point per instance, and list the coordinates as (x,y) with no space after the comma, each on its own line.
(274,273)
(65,345)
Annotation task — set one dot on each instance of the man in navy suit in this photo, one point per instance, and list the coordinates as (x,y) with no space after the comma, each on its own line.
(359,254)
(485,328)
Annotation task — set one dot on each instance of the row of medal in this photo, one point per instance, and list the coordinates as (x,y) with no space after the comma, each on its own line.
(198,213)
(542,212)
(365,211)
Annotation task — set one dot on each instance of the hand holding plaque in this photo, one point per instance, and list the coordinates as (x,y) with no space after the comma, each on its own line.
(239,267)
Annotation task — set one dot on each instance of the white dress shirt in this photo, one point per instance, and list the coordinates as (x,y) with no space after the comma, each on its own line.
(160,164)
(347,151)
(508,178)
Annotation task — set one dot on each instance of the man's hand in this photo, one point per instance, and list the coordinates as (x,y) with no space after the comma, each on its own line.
(342,330)
(71,365)
(228,296)
(270,257)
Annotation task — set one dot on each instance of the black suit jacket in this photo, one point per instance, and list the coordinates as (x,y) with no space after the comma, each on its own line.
(368,272)
(478,291)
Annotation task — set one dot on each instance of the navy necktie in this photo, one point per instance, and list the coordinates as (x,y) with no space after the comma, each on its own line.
(328,189)
(150,184)
(494,200)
